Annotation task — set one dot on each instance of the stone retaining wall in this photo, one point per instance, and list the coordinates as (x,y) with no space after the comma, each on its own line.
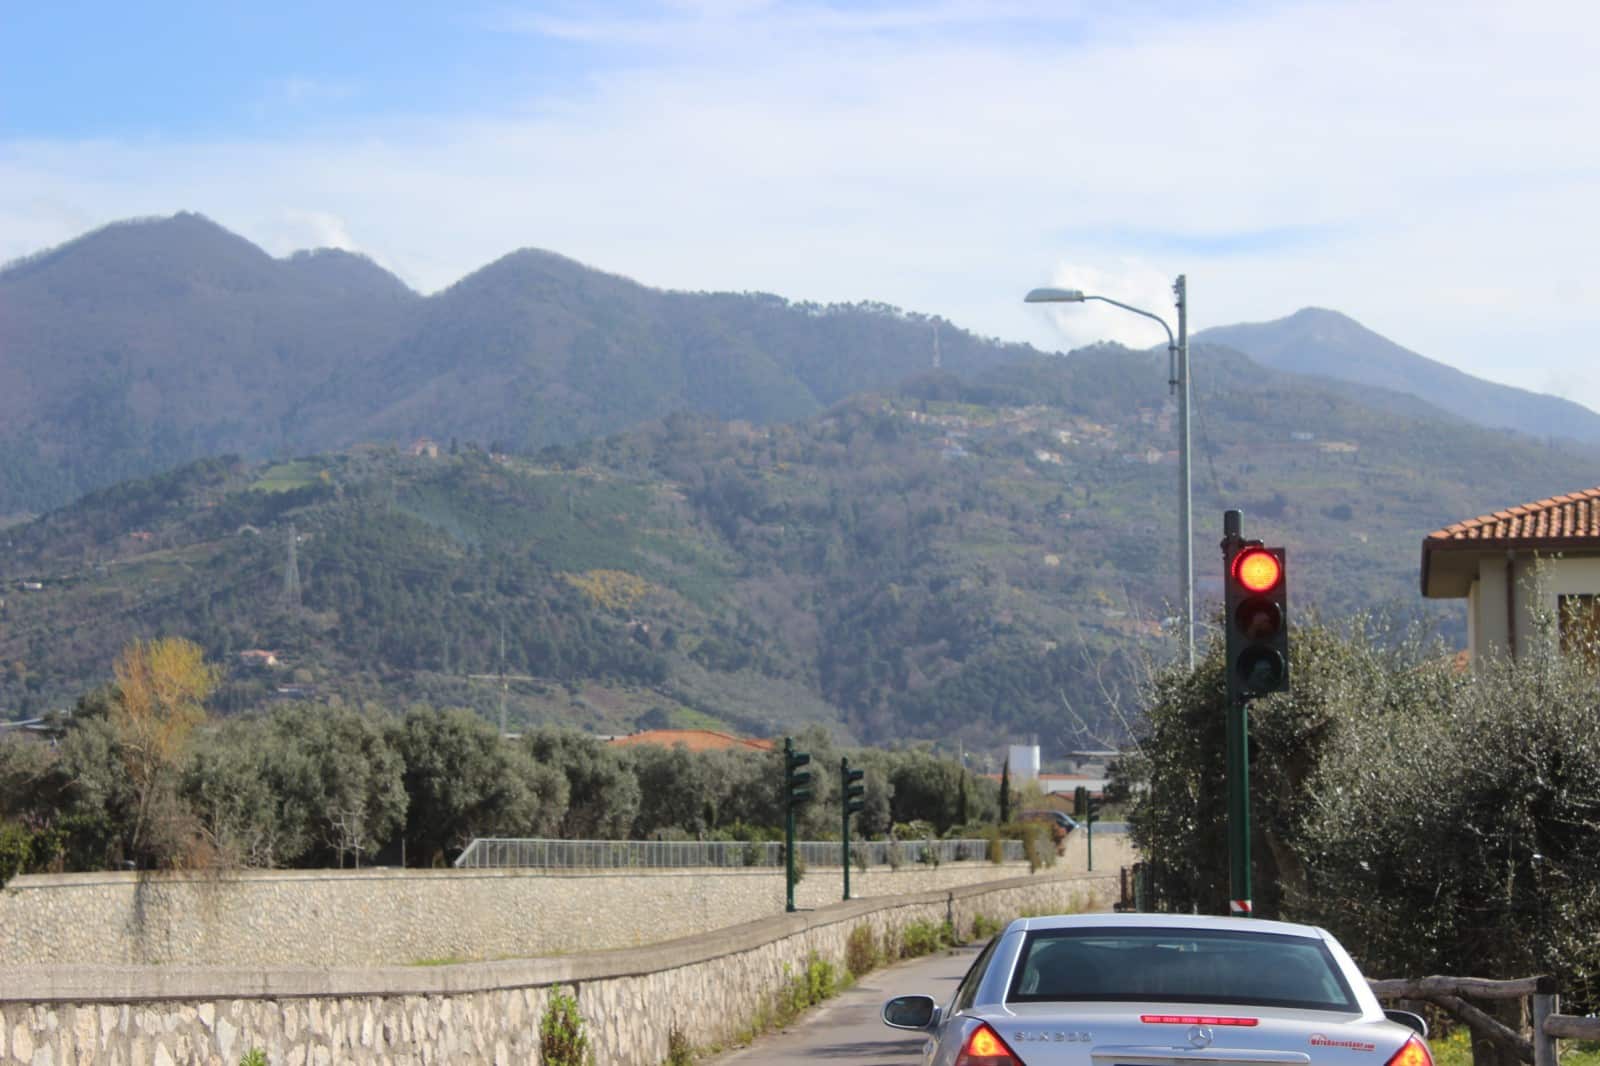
(708,986)
(402,917)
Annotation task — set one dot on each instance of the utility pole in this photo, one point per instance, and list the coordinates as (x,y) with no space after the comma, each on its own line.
(1180,289)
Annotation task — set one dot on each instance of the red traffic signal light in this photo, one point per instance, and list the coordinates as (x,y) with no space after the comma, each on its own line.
(1257,569)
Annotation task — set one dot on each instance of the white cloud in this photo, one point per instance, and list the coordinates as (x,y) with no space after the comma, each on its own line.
(948,157)
(308,229)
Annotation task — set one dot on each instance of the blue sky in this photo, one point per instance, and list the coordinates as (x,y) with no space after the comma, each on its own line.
(1427,168)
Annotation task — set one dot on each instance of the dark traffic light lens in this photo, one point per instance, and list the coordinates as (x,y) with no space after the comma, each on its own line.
(1261,670)
(1258,618)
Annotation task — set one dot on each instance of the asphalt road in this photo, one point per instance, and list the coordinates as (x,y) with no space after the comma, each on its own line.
(846,1031)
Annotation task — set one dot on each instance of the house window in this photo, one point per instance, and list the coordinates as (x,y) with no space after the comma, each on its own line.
(1580,626)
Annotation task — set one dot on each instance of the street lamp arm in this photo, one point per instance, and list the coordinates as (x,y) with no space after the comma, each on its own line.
(1171,341)
(1178,380)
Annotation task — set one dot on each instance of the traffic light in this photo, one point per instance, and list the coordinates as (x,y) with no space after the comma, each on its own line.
(1258,620)
(853,790)
(796,790)
(797,782)
(1085,805)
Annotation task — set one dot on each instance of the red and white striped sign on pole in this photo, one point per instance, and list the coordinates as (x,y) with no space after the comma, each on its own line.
(1239,907)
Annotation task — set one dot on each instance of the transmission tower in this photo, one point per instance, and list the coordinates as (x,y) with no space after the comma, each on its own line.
(938,361)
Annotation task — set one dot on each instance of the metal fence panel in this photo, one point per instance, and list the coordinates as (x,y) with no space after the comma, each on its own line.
(503,853)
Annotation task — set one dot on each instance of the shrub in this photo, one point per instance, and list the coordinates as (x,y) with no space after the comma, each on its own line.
(924,938)
(861,950)
(678,1050)
(1033,847)
(984,927)
(16,847)
(562,1040)
(254,1057)
(819,981)
(822,980)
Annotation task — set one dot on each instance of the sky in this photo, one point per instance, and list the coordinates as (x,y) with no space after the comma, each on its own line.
(1426,168)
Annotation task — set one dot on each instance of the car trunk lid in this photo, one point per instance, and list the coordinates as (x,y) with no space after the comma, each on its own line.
(1043,1034)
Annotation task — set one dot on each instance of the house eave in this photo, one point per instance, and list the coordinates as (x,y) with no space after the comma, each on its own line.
(1450,565)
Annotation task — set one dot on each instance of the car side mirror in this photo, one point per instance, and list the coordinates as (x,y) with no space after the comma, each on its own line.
(1415,1022)
(911,1012)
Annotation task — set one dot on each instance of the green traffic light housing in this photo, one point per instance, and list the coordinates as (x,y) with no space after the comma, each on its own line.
(1257,620)
(1085,805)
(854,790)
(797,781)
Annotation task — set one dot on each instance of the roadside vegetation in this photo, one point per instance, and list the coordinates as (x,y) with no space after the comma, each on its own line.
(1436,820)
(141,776)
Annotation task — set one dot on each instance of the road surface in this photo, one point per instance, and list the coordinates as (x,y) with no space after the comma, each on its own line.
(845,1030)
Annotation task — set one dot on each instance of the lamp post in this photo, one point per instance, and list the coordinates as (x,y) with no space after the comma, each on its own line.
(1178,380)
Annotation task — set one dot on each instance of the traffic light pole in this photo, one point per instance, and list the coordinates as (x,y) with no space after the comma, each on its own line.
(1238,751)
(852,800)
(788,857)
(796,790)
(844,821)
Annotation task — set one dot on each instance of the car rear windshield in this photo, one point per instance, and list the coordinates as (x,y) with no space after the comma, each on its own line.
(1179,966)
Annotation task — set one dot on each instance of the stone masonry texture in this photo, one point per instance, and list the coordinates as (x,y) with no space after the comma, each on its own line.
(383,917)
(707,983)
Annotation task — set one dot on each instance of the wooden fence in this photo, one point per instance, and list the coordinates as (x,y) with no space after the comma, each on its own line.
(1450,994)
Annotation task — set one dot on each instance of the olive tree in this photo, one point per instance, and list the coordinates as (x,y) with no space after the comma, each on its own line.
(462,781)
(1435,819)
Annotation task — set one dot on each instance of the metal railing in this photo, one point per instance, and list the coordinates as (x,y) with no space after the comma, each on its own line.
(500,852)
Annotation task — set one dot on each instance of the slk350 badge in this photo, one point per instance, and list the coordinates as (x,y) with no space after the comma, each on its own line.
(1059,1036)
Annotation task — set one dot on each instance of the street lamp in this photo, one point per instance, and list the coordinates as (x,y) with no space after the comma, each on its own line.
(1178,379)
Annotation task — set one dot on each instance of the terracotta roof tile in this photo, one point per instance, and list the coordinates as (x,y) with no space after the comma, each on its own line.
(693,739)
(1575,515)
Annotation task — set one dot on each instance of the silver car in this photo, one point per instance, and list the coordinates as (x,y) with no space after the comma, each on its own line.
(1161,990)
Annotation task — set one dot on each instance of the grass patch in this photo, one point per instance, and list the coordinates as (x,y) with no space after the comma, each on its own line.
(286,477)
(1454,1048)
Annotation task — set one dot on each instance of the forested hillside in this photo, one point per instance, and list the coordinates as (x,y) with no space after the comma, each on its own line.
(1326,343)
(151,343)
(970,559)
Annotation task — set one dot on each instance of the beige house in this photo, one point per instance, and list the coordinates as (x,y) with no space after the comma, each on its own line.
(1490,561)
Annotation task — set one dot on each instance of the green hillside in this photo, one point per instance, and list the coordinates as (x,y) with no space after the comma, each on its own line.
(962,559)
(151,343)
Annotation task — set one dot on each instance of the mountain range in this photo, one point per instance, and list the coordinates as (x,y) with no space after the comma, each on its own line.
(641,507)
(1328,344)
(150,343)
(154,342)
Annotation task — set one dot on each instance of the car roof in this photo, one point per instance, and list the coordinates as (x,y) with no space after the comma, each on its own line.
(1169,921)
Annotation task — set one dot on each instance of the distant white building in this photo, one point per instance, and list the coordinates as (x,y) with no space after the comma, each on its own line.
(1024,762)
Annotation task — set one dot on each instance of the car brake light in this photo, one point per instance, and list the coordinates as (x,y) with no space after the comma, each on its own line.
(1412,1053)
(1208,1019)
(985,1048)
